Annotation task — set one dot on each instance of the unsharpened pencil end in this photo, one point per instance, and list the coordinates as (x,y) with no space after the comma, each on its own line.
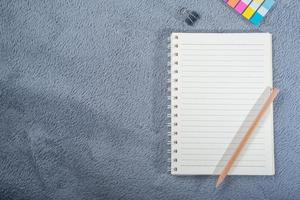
(219,181)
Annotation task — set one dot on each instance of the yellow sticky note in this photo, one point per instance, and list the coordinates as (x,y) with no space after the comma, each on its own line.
(258,1)
(248,13)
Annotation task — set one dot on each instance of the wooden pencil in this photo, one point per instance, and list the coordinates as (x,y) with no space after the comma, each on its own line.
(247,136)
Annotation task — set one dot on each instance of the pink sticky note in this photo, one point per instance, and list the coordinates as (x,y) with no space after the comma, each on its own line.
(242,5)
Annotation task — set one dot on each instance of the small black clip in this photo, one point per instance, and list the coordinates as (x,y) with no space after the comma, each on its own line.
(190,16)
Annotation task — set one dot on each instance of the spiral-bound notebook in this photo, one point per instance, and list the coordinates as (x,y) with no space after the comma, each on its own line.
(216,80)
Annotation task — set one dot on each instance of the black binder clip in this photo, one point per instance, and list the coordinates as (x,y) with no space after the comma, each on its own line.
(190,16)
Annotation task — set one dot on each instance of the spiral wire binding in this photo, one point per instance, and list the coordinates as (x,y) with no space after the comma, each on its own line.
(173,71)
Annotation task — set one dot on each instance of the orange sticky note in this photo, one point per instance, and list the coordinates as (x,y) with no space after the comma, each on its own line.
(233,3)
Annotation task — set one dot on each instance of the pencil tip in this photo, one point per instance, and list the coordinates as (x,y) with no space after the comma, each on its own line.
(219,181)
(276,90)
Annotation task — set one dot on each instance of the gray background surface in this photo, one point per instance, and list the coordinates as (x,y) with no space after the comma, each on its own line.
(83,100)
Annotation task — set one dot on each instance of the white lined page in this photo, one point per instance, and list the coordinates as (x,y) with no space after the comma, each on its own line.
(216,80)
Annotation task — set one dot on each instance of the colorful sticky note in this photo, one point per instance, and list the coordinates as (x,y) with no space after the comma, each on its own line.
(261,12)
(242,5)
(232,3)
(256,19)
(248,13)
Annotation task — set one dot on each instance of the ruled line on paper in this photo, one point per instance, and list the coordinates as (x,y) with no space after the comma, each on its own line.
(220,136)
(207,81)
(221,151)
(217,148)
(246,78)
(218,109)
(202,49)
(203,90)
(217,103)
(223,71)
(215,162)
(212,126)
(226,143)
(215,120)
(248,166)
(221,65)
(223,134)
(218,98)
(219,70)
(222,87)
(215,154)
(219,44)
(215,115)
(197,76)
(202,61)
(244,162)
(232,58)
(217,135)
(227,139)
(215,68)
(209,131)
(220,82)
(239,160)
(205,76)
(202,160)
(222,55)
(227,113)
(208,119)
(225,92)
(200,123)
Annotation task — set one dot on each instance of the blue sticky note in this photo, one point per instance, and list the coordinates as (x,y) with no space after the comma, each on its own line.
(268,4)
(256,19)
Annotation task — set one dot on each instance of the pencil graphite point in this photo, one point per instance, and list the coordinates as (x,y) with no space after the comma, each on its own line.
(219,181)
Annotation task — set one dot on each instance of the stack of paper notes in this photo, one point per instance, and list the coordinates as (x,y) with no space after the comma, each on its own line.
(252,10)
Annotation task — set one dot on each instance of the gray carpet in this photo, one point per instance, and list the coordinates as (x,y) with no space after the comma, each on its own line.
(83,100)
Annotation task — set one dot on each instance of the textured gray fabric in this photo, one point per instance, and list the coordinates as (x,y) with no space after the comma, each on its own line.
(83,100)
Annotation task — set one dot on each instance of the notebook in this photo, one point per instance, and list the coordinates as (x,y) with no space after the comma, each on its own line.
(217,81)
